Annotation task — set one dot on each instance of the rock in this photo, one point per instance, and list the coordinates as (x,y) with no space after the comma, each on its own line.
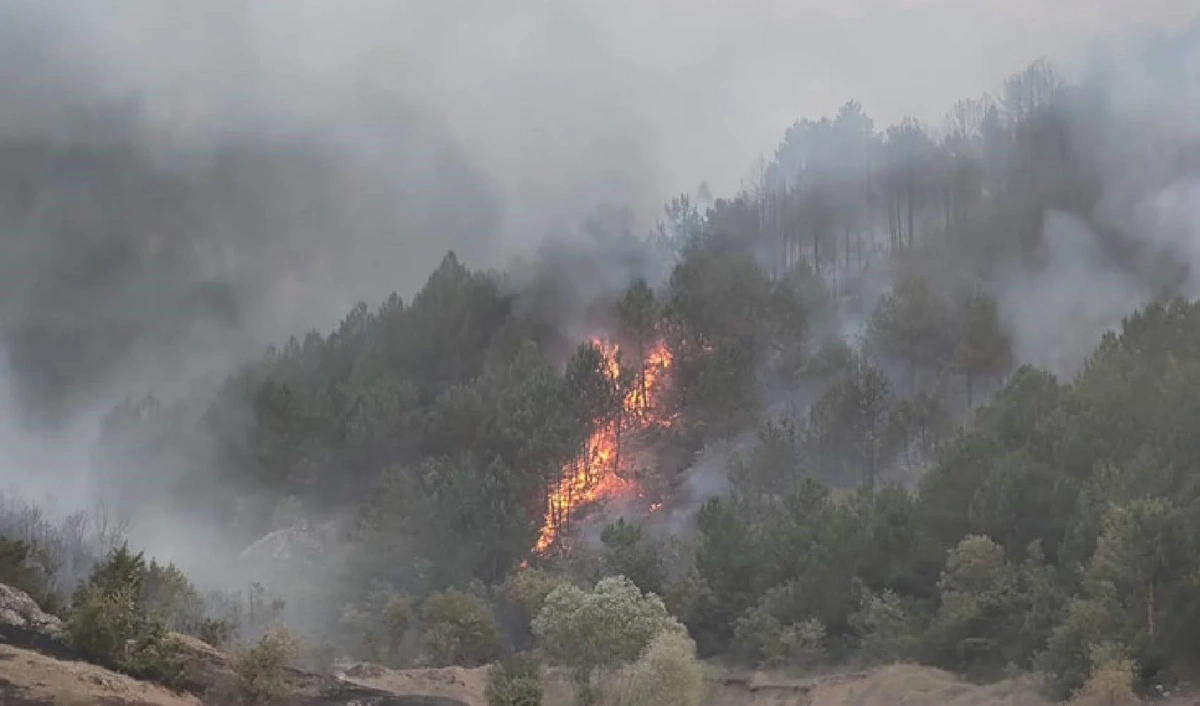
(24,624)
(366,670)
(301,545)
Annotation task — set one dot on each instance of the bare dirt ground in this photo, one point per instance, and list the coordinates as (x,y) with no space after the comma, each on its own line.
(30,678)
(458,683)
(897,685)
(33,679)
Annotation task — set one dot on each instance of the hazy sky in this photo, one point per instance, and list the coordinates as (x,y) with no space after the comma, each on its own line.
(475,125)
(561,101)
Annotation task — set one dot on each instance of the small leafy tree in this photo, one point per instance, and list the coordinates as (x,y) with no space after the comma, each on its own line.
(526,589)
(887,629)
(460,629)
(260,671)
(397,619)
(628,553)
(1111,684)
(764,634)
(516,681)
(667,674)
(169,596)
(110,625)
(16,570)
(980,602)
(600,630)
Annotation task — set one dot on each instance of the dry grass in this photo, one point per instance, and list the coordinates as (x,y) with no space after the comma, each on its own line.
(1110,685)
(32,678)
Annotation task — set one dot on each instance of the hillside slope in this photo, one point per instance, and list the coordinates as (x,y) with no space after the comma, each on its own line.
(29,678)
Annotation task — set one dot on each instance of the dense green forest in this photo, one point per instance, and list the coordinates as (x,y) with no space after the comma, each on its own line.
(897,483)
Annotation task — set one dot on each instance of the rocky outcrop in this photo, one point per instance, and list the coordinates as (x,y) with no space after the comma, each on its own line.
(300,546)
(24,624)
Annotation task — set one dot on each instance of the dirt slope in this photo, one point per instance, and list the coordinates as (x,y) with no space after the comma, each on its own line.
(30,678)
(457,683)
(898,685)
(33,679)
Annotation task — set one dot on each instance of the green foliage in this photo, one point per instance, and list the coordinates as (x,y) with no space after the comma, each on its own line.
(776,462)
(396,619)
(515,681)
(168,596)
(109,623)
(526,590)
(629,554)
(103,621)
(716,315)
(1059,519)
(983,347)
(17,570)
(261,670)
(216,632)
(763,635)
(910,324)
(459,629)
(979,595)
(667,673)
(848,425)
(601,629)
(377,628)
(1067,659)
(888,629)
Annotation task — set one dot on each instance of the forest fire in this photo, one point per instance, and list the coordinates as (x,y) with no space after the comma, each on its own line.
(598,473)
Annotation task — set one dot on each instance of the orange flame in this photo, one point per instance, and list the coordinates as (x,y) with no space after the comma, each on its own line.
(596,474)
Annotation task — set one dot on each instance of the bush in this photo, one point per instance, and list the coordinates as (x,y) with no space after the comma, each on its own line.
(1110,684)
(1069,657)
(764,635)
(526,590)
(887,629)
(261,671)
(603,629)
(396,619)
(516,681)
(217,633)
(102,622)
(169,596)
(16,570)
(236,613)
(667,674)
(106,627)
(460,629)
(109,626)
(378,629)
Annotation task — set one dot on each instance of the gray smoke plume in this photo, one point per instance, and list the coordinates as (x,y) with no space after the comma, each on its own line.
(183,183)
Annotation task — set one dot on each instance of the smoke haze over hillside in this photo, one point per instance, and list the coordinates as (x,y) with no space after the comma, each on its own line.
(184,183)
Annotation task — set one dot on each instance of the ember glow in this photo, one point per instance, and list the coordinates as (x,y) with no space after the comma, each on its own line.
(598,474)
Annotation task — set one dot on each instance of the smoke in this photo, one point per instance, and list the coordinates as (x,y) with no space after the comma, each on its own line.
(258,167)
(1077,296)
(1139,137)
(184,183)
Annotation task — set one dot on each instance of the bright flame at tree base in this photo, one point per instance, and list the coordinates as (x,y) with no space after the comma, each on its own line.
(597,473)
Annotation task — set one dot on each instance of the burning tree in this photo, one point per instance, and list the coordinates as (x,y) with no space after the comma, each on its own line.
(619,402)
